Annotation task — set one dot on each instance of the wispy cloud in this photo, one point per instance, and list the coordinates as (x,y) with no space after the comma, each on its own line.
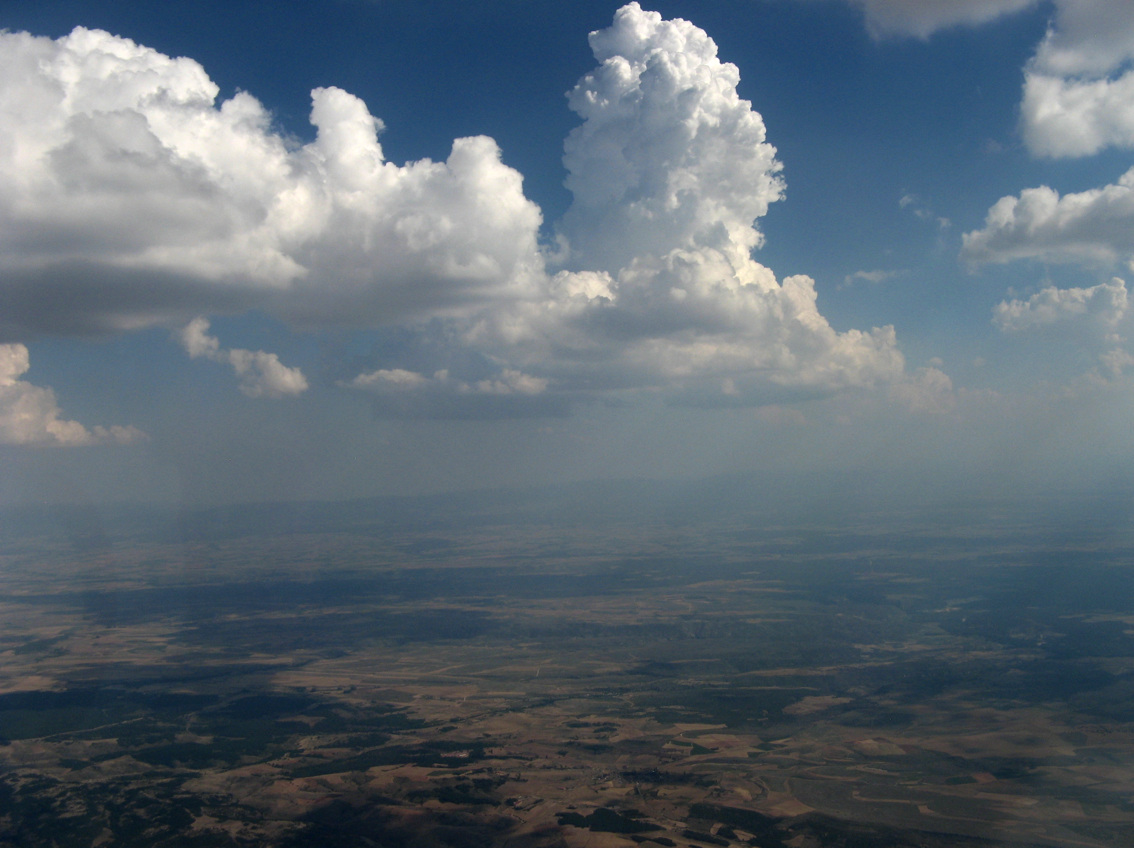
(874,277)
(921,210)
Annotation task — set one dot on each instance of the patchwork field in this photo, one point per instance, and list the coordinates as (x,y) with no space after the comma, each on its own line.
(538,685)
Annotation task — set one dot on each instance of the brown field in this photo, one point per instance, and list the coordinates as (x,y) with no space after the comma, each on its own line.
(531,687)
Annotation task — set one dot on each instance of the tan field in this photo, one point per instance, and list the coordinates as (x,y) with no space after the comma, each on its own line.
(330,692)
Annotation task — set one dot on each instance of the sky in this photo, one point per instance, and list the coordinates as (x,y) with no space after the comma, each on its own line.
(257,251)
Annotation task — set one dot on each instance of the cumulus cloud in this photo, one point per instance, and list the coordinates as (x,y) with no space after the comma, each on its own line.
(668,155)
(1094,226)
(1079,88)
(669,170)
(129,197)
(261,374)
(1078,100)
(922,18)
(29,414)
(1087,37)
(1078,95)
(1116,361)
(1077,116)
(1094,320)
(1102,306)
(692,319)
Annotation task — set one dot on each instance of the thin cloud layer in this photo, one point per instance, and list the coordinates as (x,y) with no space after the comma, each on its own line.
(261,374)
(398,392)
(29,414)
(922,18)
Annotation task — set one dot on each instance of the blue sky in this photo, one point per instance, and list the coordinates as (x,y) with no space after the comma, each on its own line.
(882,241)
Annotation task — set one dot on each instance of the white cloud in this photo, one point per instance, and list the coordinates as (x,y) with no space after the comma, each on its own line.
(922,211)
(1116,361)
(388,379)
(261,374)
(668,155)
(1079,89)
(512,382)
(1103,306)
(130,198)
(508,393)
(1078,93)
(922,18)
(669,171)
(29,414)
(1087,37)
(1094,226)
(1075,116)
(692,318)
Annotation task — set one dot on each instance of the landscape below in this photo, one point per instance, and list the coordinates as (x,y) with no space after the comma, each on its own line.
(333,677)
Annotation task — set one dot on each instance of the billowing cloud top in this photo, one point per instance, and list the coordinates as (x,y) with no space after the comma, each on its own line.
(130,198)
(668,155)
(1093,226)
(669,170)
(1105,305)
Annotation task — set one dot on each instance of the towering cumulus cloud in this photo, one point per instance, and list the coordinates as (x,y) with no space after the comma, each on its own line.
(669,171)
(668,155)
